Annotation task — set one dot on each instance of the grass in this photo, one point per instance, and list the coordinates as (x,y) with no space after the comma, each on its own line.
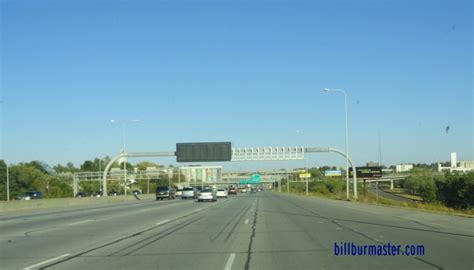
(370,198)
(403,193)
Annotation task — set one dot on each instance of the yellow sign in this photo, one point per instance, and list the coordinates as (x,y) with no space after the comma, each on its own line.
(305,175)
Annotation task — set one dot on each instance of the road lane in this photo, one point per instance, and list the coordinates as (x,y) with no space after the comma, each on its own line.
(199,241)
(40,239)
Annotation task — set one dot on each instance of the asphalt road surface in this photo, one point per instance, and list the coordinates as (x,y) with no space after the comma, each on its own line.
(383,194)
(249,231)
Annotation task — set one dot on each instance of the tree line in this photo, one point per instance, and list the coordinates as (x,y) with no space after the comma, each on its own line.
(56,181)
(455,190)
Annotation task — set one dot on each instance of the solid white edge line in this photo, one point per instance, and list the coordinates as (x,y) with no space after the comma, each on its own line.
(162,222)
(80,222)
(48,261)
(230,261)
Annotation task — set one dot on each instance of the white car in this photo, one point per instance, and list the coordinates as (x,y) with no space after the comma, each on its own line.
(221,193)
(207,195)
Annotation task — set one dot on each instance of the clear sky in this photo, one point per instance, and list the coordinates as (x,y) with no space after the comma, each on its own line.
(249,72)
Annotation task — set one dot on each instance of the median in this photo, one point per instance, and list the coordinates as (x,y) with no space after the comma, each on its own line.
(39,204)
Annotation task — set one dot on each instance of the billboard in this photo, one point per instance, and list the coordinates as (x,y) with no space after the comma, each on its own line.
(203,152)
(332,173)
(367,172)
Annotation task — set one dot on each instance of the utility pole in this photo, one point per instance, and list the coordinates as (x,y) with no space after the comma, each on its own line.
(100,170)
(148,184)
(8,183)
(125,173)
(287,183)
(306,171)
(377,191)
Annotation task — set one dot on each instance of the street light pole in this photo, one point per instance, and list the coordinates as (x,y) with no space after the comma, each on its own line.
(306,172)
(8,183)
(346,139)
(124,131)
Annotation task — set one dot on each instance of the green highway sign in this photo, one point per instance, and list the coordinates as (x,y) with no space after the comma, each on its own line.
(254,179)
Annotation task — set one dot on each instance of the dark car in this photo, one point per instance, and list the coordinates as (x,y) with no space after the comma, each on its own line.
(165,193)
(232,191)
(81,194)
(31,195)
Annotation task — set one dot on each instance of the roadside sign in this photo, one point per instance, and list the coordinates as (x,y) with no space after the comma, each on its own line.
(255,178)
(367,172)
(305,175)
(332,173)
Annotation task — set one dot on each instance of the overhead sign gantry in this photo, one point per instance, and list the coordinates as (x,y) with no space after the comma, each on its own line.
(223,152)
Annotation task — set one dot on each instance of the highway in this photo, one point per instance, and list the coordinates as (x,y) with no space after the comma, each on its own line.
(265,230)
(383,194)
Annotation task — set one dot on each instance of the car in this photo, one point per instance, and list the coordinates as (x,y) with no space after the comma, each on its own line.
(244,190)
(165,193)
(113,193)
(179,192)
(31,195)
(189,193)
(232,191)
(221,193)
(207,195)
(81,194)
(136,192)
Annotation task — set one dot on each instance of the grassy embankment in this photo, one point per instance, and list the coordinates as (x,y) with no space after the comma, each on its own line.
(370,198)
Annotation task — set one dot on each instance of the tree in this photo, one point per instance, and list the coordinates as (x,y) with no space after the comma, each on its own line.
(315,173)
(145,164)
(428,190)
(421,182)
(24,177)
(456,190)
(88,166)
(163,180)
(3,180)
(33,176)
(335,186)
(41,166)
(69,168)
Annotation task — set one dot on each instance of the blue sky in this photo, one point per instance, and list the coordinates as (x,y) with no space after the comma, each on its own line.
(249,72)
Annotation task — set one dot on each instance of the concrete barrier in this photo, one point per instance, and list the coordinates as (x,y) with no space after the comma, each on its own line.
(66,202)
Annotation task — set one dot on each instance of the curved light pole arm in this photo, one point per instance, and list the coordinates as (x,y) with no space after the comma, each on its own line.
(354,172)
(132,154)
(354,176)
(106,171)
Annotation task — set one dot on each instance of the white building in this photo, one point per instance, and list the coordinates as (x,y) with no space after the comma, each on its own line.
(403,167)
(198,174)
(463,166)
(467,164)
